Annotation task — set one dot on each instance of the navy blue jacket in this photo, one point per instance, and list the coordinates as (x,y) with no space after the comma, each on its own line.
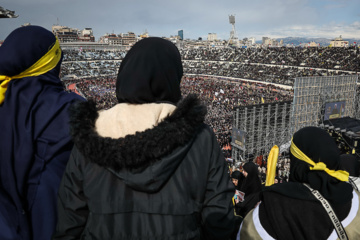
(35,143)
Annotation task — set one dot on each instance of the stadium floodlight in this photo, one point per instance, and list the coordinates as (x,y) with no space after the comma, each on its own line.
(6,13)
(233,37)
(232,19)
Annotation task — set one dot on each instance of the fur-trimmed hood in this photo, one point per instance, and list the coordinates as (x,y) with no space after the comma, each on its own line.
(146,159)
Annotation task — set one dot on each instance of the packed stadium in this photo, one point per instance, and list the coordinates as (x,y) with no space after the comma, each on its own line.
(224,78)
(147,137)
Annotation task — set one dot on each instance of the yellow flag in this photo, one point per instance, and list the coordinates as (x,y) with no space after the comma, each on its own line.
(271,165)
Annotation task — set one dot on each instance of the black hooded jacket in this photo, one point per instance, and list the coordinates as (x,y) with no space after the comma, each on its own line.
(167,182)
(251,186)
(290,211)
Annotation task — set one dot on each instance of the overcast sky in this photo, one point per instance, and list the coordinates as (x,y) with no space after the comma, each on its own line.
(254,18)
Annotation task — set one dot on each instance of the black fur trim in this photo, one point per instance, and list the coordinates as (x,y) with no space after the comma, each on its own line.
(142,148)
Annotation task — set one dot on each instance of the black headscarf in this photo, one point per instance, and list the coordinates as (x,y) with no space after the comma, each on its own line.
(251,186)
(251,183)
(150,73)
(239,176)
(318,145)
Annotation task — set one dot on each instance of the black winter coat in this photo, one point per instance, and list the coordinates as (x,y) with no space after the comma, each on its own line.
(167,182)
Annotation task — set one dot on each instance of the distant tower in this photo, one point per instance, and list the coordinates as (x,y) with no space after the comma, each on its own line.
(181,34)
(233,37)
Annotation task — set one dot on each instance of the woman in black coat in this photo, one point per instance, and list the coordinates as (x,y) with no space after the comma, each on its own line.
(251,186)
(148,168)
(296,209)
(237,178)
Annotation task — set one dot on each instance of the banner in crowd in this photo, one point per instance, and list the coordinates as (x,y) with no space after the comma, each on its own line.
(334,110)
(238,138)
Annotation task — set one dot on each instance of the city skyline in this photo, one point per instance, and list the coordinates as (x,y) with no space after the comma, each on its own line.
(256,18)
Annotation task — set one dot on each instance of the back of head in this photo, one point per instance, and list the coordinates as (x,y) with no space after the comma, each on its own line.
(150,73)
(350,164)
(251,168)
(315,159)
(237,175)
(29,52)
(23,47)
(252,183)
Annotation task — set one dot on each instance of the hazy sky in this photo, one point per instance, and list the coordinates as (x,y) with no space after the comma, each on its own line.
(254,18)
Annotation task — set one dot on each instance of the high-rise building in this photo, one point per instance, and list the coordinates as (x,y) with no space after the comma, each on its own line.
(181,34)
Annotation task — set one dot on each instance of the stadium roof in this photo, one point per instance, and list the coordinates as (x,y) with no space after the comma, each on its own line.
(5,13)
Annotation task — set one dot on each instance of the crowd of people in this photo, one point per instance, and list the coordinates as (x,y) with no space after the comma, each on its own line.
(206,71)
(221,96)
(282,170)
(278,74)
(136,156)
(346,59)
(271,65)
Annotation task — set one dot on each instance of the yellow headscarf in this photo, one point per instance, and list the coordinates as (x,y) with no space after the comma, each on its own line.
(43,65)
(320,166)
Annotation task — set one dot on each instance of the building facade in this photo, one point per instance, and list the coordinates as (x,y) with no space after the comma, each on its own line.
(128,39)
(86,35)
(111,39)
(181,34)
(212,37)
(339,42)
(67,34)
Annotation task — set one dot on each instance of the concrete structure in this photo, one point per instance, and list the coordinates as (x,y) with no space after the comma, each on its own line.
(252,40)
(313,44)
(80,46)
(269,42)
(128,38)
(265,41)
(86,35)
(65,34)
(122,39)
(111,39)
(212,37)
(339,42)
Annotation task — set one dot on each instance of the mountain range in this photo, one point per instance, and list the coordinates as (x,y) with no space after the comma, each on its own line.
(323,41)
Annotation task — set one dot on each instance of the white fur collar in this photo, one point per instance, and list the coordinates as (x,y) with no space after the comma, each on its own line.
(126,119)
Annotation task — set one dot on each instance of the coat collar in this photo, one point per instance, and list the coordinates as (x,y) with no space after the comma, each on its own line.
(142,148)
(139,117)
